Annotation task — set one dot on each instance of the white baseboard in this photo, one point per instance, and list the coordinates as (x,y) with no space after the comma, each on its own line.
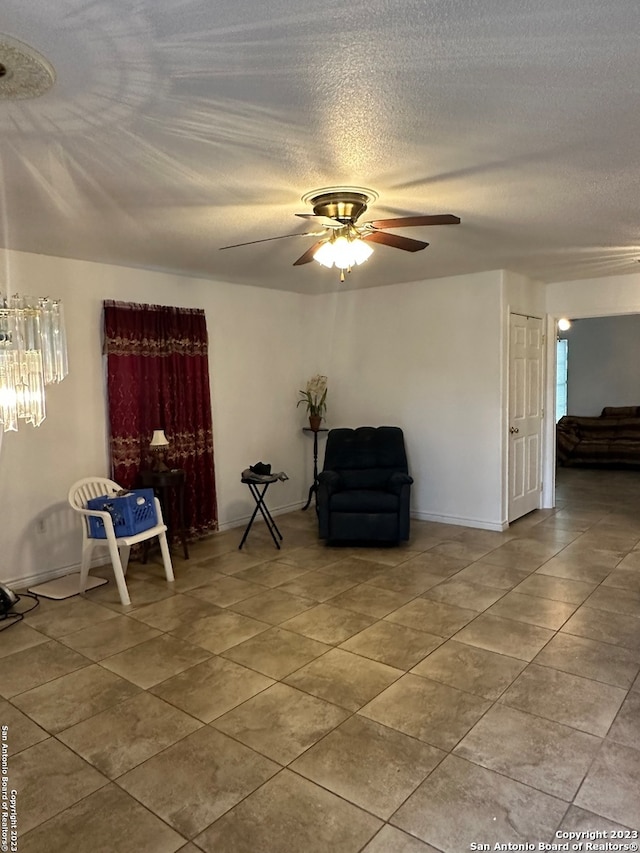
(52,574)
(243,520)
(479,523)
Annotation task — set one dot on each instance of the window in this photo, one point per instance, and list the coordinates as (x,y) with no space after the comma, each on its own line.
(562,349)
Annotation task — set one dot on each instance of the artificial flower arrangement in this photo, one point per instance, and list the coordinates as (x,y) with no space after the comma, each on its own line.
(315,397)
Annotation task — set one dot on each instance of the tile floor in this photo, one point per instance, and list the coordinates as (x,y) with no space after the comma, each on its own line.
(468,687)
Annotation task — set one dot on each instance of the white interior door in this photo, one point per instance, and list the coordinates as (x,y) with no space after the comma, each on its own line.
(525,414)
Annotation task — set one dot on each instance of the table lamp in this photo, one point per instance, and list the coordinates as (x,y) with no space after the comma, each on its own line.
(158,448)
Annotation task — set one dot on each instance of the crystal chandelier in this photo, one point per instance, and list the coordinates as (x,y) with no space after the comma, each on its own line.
(33,354)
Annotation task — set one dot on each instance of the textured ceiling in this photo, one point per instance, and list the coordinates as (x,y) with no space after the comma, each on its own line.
(176,127)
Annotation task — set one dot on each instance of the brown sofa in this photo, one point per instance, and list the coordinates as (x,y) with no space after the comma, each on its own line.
(611,440)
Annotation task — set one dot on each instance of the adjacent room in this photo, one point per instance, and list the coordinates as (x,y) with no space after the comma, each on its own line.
(393,202)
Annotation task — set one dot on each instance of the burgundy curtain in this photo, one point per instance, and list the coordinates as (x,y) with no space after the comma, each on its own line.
(158,378)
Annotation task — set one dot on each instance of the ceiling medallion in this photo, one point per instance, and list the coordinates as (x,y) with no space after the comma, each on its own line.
(24,73)
(342,203)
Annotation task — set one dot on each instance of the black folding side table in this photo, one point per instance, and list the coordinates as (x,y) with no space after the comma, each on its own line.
(255,482)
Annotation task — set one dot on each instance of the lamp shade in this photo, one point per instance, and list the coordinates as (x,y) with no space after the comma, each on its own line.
(159,439)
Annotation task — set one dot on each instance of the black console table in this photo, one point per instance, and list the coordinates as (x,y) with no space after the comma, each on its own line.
(164,484)
(314,486)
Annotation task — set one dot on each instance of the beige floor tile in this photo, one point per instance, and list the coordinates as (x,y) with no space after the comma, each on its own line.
(318,585)
(120,738)
(64,617)
(142,590)
(370,765)
(155,660)
(411,578)
(108,638)
(434,713)
(276,652)
(505,636)
(587,705)
(311,558)
(626,727)
(281,722)
(615,600)
(598,625)
(272,573)
(488,574)
(20,637)
(224,590)
(591,659)
(232,562)
(174,612)
(459,800)
(581,820)
(220,630)
(526,554)
(67,700)
(612,786)
(623,578)
(108,820)
(289,814)
(574,569)
(49,778)
(392,840)
(557,589)
(343,678)
(328,623)
(433,563)
(31,667)
(436,617)
(533,610)
(545,755)
(209,774)
(465,552)
(212,688)
(468,668)
(21,732)
(395,645)
(358,568)
(467,594)
(371,600)
(273,606)
(188,576)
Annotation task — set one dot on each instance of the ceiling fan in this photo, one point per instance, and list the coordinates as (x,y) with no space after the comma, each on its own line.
(343,240)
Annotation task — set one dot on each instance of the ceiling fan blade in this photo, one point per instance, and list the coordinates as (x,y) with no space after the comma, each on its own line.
(327,221)
(308,255)
(411,221)
(267,239)
(395,241)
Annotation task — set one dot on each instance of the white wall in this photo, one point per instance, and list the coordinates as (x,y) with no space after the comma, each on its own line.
(426,356)
(263,347)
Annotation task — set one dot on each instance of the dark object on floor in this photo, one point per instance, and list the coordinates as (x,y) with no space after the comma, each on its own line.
(609,441)
(364,489)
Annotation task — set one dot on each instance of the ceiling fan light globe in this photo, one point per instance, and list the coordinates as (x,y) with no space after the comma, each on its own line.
(324,255)
(361,251)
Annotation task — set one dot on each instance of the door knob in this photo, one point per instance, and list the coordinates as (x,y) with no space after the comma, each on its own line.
(514,429)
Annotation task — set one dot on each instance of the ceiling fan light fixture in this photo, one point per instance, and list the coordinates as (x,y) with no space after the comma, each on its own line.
(343,252)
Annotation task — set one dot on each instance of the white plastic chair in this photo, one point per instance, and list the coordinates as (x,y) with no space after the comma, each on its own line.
(119,546)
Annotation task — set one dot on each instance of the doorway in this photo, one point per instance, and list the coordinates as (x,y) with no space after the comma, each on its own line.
(526,342)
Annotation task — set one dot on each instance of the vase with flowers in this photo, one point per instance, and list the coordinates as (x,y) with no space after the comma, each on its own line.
(315,399)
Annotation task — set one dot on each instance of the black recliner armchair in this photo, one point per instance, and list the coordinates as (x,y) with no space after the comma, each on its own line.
(363,491)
